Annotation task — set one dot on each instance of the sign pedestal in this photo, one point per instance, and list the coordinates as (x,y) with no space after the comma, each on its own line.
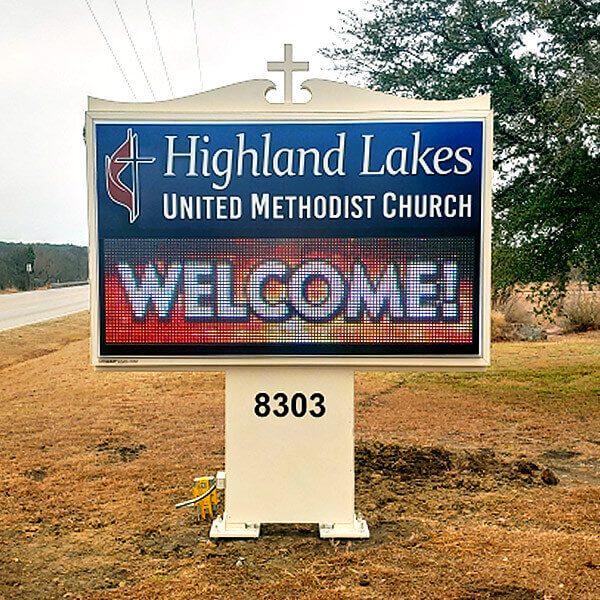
(378,280)
(289,451)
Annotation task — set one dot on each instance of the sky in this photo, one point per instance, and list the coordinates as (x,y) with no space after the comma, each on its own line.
(54,57)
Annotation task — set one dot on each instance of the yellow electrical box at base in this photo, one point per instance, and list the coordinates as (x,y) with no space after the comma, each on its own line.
(207,506)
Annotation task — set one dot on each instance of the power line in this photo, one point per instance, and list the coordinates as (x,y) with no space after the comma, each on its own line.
(111,51)
(159,48)
(134,49)
(196,40)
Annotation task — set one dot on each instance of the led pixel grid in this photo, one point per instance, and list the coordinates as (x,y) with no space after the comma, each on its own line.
(292,296)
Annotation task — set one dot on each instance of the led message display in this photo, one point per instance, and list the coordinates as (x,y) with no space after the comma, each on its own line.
(302,239)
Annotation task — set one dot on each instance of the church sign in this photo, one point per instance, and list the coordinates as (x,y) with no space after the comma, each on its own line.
(285,234)
(289,245)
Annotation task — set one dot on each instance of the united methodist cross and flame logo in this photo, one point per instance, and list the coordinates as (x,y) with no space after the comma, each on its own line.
(126,155)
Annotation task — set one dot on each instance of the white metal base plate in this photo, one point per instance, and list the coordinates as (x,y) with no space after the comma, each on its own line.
(225,529)
(355,530)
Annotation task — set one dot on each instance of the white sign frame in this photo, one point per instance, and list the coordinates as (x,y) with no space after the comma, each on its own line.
(331,101)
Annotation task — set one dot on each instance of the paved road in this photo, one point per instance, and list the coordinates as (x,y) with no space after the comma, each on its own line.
(24,308)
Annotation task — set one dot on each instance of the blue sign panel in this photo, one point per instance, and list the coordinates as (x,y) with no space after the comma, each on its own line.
(321,238)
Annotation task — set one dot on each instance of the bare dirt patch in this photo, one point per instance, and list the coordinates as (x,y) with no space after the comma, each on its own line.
(438,465)
(505,592)
(448,474)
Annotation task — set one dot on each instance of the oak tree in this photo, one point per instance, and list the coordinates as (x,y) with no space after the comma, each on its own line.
(540,61)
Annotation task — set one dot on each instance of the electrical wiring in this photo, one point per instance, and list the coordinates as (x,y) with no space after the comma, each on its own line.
(194,500)
(134,49)
(159,48)
(196,40)
(111,49)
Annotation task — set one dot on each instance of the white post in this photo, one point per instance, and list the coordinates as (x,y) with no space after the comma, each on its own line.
(289,451)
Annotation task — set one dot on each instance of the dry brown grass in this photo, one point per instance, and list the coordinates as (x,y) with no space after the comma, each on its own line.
(580,312)
(23,343)
(509,312)
(92,464)
(516,309)
(499,326)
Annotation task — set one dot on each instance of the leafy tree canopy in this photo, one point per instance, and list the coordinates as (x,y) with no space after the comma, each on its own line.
(540,60)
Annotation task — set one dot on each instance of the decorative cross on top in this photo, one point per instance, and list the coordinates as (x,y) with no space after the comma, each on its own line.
(288,66)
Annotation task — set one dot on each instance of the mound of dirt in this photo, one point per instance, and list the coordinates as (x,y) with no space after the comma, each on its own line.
(406,463)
